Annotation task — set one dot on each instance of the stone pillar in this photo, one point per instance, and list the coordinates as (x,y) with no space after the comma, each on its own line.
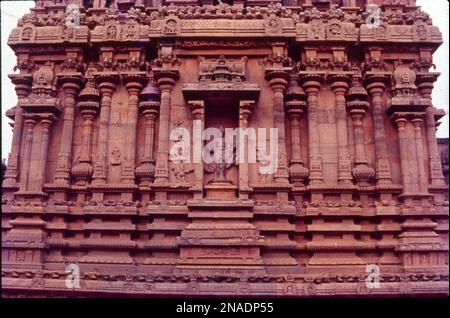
(295,107)
(297,171)
(82,171)
(359,136)
(425,86)
(357,105)
(70,86)
(312,82)
(339,86)
(23,87)
(375,86)
(362,173)
(146,170)
(150,120)
(134,85)
(30,123)
(245,110)
(165,81)
(107,87)
(149,105)
(404,143)
(423,180)
(46,124)
(89,108)
(278,81)
(198,113)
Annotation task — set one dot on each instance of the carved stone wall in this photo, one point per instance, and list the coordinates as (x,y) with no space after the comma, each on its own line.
(89,179)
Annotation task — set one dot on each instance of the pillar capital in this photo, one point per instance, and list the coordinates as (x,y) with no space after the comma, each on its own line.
(166,79)
(311,81)
(107,81)
(427,77)
(134,82)
(107,88)
(295,109)
(400,122)
(247,105)
(339,88)
(70,81)
(47,120)
(278,78)
(417,122)
(375,82)
(150,114)
(244,114)
(133,88)
(196,104)
(425,83)
(46,123)
(22,84)
(357,114)
(197,108)
(30,123)
(339,81)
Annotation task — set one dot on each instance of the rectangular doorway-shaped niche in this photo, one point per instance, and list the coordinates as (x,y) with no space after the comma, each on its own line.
(221,113)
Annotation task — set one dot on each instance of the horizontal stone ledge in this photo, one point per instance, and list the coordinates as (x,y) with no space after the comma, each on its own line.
(223,288)
(337,246)
(108,243)
(109,226)
(165,226)
(220,215)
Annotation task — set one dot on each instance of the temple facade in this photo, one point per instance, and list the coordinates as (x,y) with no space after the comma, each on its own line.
(93,202)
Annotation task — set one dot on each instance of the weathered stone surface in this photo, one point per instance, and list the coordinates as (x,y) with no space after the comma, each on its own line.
(361,179)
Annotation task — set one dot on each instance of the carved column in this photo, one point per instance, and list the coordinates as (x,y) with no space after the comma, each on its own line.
(278,80)
(311,83)
(375,84)
(245,110)
(71,86)
(405,104)
(295,107)
(357,105)
(425,86)
(198,113)
(46,123)
(404,143)
(23,87)
(89,107)
(166,81)
(86,150)
(423,180)
(134,84)
(107,87)
(30,123)
(339,86)
(149,106)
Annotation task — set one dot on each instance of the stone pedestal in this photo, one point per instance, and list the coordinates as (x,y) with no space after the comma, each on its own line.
(220,191)
(221,241)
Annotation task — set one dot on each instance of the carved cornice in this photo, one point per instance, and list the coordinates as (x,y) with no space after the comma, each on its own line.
(303,24)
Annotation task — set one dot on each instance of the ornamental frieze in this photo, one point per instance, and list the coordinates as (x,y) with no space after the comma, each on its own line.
(195,21)
(111,31)
(400,33)
(30,34)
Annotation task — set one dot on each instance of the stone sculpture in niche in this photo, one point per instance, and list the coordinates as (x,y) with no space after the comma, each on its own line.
(223,154)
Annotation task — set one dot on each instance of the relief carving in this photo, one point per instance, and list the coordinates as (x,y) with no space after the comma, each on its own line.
(115,156)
